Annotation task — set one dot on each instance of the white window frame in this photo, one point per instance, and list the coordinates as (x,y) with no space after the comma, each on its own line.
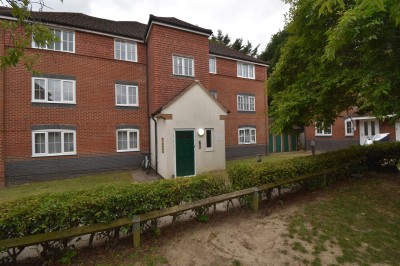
(46,132)
(212,139)
(182,68)
(129,130)
(125,44)
(320,131)
(46,92)
(212,64)
(246,70)
(346,127)
(246,103)
(247,139)
(52,46)
(126,89)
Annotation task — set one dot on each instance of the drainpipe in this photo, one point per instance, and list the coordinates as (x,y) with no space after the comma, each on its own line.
(147,96)
(156,143)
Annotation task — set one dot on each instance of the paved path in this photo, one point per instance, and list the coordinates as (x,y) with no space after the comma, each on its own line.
(139,175)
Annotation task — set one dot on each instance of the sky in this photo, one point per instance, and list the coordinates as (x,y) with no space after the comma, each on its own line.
(253,20)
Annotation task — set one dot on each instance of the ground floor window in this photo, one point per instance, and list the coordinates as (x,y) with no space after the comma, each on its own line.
(209,139)
(321,130)
(349,128)
(247,135)
(53,142)
(127,140)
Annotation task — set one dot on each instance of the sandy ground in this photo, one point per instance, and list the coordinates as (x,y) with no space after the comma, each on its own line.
(240,236)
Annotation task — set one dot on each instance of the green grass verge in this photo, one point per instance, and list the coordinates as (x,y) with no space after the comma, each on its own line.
(359,223)
(275,157)
(76,183)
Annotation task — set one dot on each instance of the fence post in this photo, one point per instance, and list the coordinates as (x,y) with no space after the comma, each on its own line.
(136,231)
(255,200)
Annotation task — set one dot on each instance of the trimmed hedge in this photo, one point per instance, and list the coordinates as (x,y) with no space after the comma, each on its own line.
(53,212)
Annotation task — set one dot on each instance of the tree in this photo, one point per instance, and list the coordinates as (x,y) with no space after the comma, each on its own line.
(337,56)
(21,31)
(237,44)
(272,51)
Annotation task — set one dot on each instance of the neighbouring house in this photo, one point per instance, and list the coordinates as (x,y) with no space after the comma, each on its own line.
(111,92)
(349,130)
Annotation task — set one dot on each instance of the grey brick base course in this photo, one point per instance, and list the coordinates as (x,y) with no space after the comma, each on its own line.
(245,150)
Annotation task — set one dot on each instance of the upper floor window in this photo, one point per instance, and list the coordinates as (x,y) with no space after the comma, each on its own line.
(246,103)
(183,66)
(49,90)
(53,142)
(127,140)
(126,95)
(65,41)
(320,130)
(125,50)
(247,135)
(213,65)
(245,70)
(348,127)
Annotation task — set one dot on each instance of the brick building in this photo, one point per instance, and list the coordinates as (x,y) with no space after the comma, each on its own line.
(350,129)
(110,92)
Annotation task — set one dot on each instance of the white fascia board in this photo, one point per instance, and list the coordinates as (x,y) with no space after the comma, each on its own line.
(79,29)
(239,60)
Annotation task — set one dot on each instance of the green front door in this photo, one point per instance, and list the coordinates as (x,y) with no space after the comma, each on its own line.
(184,141)
(271,143)
(278,143)
(285,142)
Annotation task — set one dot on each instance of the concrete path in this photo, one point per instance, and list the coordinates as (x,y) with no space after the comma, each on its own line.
(140,176)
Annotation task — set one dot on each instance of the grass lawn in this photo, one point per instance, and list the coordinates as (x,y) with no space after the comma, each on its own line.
(270,158)
(76,183)
(90,181)
(358,224)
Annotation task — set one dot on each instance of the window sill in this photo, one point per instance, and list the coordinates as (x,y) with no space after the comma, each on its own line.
(247,143)
(183,76)
(323,135)
(47,104)
(52,155)
(208,150)
(135,150)
(124,60)
(126,107)
(246,112)
(246,78)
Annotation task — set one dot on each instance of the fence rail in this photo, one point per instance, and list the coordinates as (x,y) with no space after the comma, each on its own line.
(137,219)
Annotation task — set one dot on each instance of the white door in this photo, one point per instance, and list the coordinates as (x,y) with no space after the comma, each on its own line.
(398,131)
(368,128)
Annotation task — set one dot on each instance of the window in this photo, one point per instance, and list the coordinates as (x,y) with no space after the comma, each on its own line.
(183,66)
(65,41)
(245,70)
(348,127)
(209,140)
(213,65)
(321,131)
(53,142)
(125,50)
(127,140)
(247,135)
(53,90)
(246,103)
(126,95)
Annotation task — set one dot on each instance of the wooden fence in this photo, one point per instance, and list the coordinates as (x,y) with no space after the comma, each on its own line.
(137,219)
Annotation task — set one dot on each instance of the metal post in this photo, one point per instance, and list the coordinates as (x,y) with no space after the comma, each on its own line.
(313,147)
(136,231)
(259,158)
(255,200)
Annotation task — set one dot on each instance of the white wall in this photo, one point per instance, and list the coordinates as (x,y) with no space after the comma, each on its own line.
(193,110)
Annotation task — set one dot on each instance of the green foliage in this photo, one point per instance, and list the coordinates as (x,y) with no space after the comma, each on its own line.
(21,32)
(272,52)
(224,39)
(339,54)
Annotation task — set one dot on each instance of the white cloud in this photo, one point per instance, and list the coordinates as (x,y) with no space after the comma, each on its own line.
(253,20)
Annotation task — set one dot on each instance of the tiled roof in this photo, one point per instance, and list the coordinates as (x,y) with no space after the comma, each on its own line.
(129,29)
(178,23)
(218,49)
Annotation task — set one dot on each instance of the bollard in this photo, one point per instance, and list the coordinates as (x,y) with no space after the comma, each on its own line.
(259,158)
(136,231)
(313,147)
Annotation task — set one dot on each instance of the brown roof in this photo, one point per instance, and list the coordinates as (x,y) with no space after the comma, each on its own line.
(176,22)
(219,49)
(129,29)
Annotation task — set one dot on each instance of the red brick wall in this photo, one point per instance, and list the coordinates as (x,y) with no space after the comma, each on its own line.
(2,112)
(164,42)
(228,86)
(95,114)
